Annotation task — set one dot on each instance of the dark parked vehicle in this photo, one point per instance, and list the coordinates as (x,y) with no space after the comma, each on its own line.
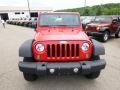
(26,23)
(21,22)
(11,21)
(33,23)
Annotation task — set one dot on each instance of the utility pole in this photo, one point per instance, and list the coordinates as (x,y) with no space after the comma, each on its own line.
(85,3)
(28,7)
(84,6)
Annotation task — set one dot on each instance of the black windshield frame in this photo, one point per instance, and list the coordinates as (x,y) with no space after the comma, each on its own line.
(88,19)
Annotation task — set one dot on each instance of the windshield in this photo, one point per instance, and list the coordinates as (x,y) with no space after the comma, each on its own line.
(103,19)
(59,20)
(88,20)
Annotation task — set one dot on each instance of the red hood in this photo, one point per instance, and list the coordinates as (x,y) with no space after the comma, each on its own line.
(99,24)
(59,30)
(53,33)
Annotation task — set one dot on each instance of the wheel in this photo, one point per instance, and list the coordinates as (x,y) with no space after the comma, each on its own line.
(28,76)
(117,35)
(105,36)
(93,75)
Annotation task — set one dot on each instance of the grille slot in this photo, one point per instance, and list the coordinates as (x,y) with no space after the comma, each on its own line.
(48,50)
(72,50)
(53,50)
(68,50)
(58,50)
(63,50)
(77,50)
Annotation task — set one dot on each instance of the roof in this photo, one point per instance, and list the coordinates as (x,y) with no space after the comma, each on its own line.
(16,8)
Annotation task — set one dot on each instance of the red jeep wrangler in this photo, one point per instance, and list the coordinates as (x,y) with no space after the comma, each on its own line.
(103,27)
(60,46)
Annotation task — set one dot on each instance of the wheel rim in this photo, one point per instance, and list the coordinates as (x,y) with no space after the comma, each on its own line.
(106,37)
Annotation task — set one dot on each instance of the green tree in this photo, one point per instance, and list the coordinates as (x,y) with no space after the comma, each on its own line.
(98,11)
(106,9)
(86,12)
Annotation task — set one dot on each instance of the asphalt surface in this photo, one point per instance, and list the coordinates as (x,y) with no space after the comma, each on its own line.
(11,78)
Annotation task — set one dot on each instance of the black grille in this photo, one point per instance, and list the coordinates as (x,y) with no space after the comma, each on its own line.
(63,50)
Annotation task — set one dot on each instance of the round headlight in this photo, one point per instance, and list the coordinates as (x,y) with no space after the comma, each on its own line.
(85,46)
(86,27)
(40,47)
(98,28)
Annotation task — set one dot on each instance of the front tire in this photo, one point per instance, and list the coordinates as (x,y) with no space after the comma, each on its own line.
(93,75)
(29,76)
(105,36)
(117,35)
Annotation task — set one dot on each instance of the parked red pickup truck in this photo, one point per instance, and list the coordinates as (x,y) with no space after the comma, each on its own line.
(60,46)
(103,27)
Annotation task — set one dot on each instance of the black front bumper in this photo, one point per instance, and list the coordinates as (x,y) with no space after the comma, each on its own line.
(43,68)
(95,34)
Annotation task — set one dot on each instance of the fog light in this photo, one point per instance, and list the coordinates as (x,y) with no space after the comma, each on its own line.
(52,71)
(38,56)
(87,55)
(75,70)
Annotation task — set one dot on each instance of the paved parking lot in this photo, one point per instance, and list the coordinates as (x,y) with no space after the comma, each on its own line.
(11,78)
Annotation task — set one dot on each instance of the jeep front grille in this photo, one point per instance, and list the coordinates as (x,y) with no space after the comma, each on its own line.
(63,50)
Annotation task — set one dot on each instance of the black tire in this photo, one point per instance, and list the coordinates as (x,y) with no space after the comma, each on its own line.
(117,35)
(28,76)
(105,36)
(93,75)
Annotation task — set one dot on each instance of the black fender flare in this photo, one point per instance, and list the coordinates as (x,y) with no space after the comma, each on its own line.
(98,48)
(104,29)
(25,49)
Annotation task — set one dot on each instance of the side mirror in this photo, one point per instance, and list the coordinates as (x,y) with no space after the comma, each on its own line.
(114,21)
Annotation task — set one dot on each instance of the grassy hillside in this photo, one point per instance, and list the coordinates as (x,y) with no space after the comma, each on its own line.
(106,9)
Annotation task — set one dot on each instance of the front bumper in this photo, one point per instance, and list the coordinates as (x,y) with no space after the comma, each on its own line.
(44,68)
(95,34)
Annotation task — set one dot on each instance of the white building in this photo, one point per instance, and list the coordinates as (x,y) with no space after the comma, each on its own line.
(7,12)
